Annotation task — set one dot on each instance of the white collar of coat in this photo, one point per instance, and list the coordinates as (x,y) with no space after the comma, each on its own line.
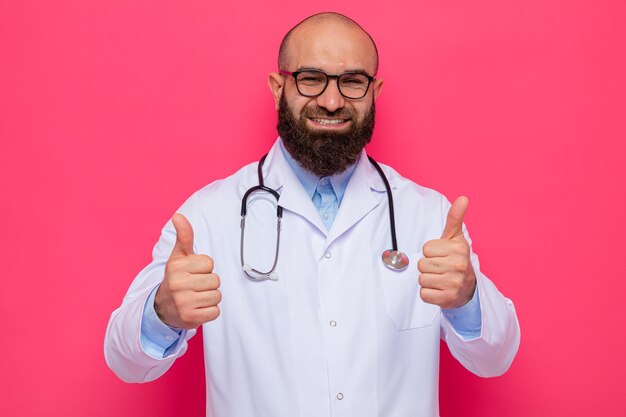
(358,199)
(277,172)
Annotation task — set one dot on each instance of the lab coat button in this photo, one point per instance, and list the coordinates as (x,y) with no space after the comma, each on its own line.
(340,396)
(333,323)
(328,255)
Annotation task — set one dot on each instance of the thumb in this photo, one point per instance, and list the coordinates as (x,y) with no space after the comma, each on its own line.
(184,236)
(454,222)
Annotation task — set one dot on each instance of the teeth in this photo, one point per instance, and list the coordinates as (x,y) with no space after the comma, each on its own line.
(329,121)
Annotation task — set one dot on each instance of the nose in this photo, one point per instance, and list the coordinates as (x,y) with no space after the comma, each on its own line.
(331,99)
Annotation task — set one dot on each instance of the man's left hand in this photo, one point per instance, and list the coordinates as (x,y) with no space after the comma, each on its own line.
(447,277)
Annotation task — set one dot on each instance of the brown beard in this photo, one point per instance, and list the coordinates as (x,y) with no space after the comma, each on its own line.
(324,153)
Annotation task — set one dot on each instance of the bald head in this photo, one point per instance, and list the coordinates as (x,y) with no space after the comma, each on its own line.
(327,24)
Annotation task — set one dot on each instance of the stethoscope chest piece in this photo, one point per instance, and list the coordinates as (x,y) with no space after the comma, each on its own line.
(395,260)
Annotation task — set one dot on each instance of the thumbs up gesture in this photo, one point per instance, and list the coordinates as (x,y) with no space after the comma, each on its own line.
(189,294)
(447,277)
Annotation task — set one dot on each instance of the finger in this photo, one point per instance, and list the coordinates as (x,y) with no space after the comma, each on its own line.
(432,281)
(205,314)
(454,222)
(184,236)
(443,247)
(206,299)
(432,265)
(432,296)
(193,264)
(195,317)
(204,282)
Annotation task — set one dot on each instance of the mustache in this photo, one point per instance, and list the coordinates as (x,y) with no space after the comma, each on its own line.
(317,111)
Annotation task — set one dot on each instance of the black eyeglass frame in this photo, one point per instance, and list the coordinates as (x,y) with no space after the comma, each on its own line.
(329,77)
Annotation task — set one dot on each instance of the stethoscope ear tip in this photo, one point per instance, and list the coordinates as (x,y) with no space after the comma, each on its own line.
(258,276)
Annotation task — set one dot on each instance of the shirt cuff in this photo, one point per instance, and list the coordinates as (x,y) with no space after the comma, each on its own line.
(466,320)
(157,338)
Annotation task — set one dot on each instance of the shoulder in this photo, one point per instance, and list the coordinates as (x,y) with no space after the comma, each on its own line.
(406,189)
(231,185)
(419,211)
(219,196)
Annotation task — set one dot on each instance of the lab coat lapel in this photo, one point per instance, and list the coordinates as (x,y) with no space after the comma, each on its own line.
(358,199)
(279,176)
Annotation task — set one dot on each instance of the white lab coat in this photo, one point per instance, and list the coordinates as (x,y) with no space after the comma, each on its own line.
(338,334)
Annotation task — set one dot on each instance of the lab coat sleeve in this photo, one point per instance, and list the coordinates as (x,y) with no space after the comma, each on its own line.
(492,352)
(123,350)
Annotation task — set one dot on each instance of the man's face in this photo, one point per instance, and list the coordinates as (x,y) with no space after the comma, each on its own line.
(326,134)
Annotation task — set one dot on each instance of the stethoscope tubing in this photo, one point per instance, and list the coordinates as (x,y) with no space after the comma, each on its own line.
(393,259)
(392,217)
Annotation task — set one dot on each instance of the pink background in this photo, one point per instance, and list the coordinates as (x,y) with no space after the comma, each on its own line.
(112,113)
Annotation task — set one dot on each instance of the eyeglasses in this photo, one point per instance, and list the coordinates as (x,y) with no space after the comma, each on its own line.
(312,83)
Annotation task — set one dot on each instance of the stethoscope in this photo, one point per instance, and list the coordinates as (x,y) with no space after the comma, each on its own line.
(392,258)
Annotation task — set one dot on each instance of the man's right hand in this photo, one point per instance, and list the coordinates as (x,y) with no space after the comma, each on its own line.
(189,294)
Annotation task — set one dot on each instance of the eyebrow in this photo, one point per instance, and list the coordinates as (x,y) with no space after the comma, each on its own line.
(350,71)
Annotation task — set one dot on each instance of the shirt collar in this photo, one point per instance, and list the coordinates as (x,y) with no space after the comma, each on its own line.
(309,180)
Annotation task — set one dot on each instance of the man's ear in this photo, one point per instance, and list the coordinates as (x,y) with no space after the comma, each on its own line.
(276,82)
(378,86)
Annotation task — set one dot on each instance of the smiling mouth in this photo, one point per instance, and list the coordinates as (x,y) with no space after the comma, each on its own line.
(328,122)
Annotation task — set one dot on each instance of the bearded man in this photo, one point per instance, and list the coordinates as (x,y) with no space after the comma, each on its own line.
(281,264)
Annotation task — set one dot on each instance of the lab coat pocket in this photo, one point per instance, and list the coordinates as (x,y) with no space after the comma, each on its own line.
(402,297)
